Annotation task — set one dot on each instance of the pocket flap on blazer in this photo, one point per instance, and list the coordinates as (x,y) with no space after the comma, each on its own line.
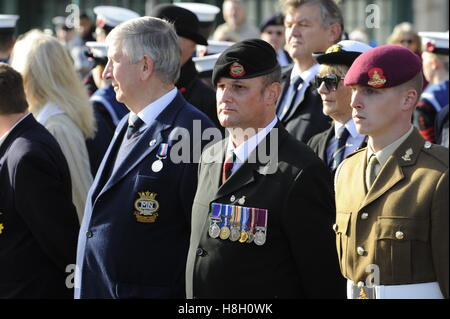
(342,222)
(401,228)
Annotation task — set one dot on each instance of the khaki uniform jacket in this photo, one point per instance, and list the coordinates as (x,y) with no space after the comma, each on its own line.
(401,224)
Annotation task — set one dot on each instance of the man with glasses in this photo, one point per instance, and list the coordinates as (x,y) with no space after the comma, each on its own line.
(341,139)
(311,26)
(272,31)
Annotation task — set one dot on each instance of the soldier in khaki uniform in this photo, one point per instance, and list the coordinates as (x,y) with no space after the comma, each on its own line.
(392,197)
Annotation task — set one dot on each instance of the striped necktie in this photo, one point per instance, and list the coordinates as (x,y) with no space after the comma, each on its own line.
(135,125)
(227,166)
(338,155)
(292,97)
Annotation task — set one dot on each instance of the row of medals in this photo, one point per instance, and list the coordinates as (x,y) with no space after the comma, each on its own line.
(234,234)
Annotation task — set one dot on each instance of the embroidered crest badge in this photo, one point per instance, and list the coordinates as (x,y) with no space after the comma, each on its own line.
(376,77)
(334,48)
(237,70)
(146,207)
(407,156)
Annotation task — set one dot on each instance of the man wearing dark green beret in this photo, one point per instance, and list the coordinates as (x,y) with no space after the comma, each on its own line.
(263,209)
(392,197)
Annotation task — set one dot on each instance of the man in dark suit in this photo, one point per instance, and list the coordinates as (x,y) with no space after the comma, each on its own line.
(135,233)
(260,220)
(341,139)
(307,31)
(193,89)
(38,222)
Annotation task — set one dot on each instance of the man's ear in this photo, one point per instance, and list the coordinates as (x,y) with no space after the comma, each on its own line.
(147,67)
(410,99)
(272,93)
(335,32)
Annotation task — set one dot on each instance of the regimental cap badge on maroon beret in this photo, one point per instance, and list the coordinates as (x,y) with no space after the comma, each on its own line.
(246,59)
(376,78)
(384,67)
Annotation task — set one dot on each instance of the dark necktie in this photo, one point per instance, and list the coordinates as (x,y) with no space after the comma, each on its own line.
(291,100)
(338,155)
(227,166)
(133,128)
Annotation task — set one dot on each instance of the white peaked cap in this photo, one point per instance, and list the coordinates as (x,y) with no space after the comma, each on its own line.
(204,12)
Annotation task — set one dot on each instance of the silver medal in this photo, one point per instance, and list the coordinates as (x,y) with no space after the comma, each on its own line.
(235,234)
(260,238)
(251,237)
(157,166)
(214,230)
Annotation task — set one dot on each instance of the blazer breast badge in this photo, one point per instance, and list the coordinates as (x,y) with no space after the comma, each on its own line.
(146,207)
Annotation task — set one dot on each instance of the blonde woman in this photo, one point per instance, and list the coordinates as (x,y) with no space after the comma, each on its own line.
(405,35)
(58,101)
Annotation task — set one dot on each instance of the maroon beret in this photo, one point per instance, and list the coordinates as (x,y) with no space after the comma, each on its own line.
(384,67)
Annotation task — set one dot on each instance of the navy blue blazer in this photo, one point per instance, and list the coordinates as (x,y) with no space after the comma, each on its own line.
(120,254)
(38,222)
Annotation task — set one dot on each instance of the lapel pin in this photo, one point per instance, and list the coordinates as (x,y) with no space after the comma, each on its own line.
(152,143)
(427,144)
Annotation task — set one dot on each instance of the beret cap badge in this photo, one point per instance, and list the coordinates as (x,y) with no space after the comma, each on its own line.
(376,77)
(237,70)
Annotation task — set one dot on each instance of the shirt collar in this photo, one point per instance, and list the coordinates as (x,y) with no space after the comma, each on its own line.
(151,111)
(244,150)
(350,126)
(307,75)
(384,154)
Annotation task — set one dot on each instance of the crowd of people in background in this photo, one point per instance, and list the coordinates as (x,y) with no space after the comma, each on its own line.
(90,118)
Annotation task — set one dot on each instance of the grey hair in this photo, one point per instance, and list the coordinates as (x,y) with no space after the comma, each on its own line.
(153,37)
(329,11)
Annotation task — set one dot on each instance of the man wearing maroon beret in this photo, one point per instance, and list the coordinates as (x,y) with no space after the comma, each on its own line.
(392,196)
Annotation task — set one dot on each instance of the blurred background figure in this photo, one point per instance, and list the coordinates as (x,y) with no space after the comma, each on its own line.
(206,15)
(59,102)
(71,40)
(108,17)
(86,28)
(360,35)
(235,27)
(405,35)
(189,84)
(272,31)
(7,40)
(435,58)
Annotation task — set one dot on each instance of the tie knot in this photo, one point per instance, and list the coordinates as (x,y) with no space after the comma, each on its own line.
(343,133)
(134,124)
(297,81)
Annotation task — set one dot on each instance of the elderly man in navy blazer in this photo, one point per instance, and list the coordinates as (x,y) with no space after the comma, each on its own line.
(134,237)
(38,222)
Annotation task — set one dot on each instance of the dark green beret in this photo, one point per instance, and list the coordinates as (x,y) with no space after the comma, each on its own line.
(245,60)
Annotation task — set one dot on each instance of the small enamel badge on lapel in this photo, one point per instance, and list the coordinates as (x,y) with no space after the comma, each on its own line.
(427,145)
(407,156)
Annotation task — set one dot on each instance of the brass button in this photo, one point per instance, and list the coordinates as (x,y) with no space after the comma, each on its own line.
(360,251)
(335,227)
(364,216)
(399,235)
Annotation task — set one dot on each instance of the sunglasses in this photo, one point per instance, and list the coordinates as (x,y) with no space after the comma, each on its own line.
(408,41)
(278,33)
(331,81)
